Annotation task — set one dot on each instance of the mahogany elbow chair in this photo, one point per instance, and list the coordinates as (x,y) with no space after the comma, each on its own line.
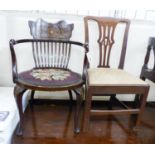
(105,80)
(51,54)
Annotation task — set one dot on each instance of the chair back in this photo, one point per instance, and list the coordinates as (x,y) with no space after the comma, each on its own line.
(148,72)
(150,47)
(107,28)
(41,29)
(51,53)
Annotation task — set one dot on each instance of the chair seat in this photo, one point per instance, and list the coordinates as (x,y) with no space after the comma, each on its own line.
(112,77)
(147,73)
(55,78)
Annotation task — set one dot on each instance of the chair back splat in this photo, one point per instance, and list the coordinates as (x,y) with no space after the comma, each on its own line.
(55,54)
(107,27)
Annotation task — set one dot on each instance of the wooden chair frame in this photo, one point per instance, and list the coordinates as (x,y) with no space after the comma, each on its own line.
(141,91)
(22,85)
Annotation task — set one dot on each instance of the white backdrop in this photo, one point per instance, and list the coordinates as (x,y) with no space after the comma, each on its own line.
(14,25)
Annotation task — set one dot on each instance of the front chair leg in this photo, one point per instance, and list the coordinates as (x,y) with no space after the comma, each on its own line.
(87,109)
(18,93)
(79,100)
(143,100)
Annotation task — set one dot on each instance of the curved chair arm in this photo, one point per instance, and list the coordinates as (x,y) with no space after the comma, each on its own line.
(14,61)
(86,63)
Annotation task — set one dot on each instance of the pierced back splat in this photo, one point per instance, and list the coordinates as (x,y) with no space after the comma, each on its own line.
(107,27)
(106,41)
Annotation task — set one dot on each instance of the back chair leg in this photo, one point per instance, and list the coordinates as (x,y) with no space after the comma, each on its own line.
(136,101)
(111,102)
(32,94)
(70,95)
(32,99)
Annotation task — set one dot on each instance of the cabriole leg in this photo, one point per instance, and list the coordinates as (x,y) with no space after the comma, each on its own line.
(18,93)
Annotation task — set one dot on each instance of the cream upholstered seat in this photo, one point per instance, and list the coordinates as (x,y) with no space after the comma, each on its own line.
(114,77)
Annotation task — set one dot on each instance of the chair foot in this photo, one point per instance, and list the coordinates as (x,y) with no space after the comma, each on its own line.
(77,131)
(79,100)
(19,131)
(18,93)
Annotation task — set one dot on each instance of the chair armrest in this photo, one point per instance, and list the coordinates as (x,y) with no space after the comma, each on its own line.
(86,63)
(14,61)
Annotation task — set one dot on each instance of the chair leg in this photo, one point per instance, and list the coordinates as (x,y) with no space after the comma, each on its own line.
(32,99)
(32,94)
(137,96)
(136,101)
(18,93)
(111,102)
(143,99)
(87,111)
(70,95)
(79,100)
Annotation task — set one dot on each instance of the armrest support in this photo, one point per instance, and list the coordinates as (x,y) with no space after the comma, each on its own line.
(86,63)
(13,58)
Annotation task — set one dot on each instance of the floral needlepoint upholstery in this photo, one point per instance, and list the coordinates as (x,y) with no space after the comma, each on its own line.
(50,77)
(50,74)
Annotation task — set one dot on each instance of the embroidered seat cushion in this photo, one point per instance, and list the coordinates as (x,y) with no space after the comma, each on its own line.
(52,77)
